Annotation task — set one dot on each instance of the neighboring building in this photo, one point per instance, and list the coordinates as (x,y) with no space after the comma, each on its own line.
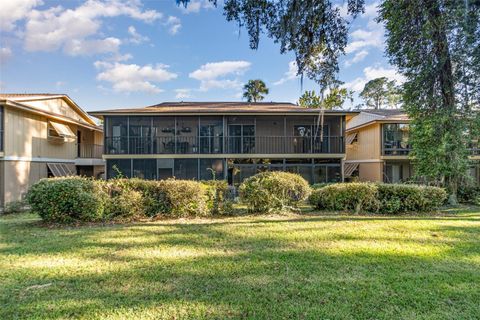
(44,135)
(233,140)
(378,148)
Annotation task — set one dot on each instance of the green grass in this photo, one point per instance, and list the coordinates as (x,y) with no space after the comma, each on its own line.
(288,267)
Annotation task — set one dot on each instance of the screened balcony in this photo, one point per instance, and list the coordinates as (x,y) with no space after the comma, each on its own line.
(395,139)
(223,135)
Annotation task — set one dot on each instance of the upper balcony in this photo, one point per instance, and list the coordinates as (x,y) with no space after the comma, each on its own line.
(395,139)
(224,145)
(89,151)
(250,135)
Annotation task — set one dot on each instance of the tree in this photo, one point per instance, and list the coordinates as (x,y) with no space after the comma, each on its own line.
(254,90)
(380,92)
(314,31)
(435,45)
(334,99)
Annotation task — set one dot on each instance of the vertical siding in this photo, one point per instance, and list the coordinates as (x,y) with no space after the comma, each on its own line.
(57,106)
(19,176)
(368,146)
(26,136)
(2,184)
(372,172)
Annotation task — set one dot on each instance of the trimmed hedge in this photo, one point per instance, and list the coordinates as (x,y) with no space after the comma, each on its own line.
(67,199)
(274,191)
(81,199)
(378,198)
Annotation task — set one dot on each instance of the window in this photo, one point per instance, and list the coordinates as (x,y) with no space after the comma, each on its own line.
(208,167)
(116,135)
(116,167)
(395,139)
(140,135)
(144,169)
(211,135)
(241,138)
(186,169)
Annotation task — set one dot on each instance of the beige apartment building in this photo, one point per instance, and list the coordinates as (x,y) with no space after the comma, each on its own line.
(45,135)
(377,147)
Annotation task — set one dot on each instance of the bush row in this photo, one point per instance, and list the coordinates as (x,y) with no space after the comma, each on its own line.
(378,198)
(82,199)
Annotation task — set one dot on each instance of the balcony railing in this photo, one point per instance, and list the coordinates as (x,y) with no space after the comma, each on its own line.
(225,145)
(91,151)
(474,151)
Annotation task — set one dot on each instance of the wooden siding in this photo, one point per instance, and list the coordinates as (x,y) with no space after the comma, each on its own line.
(26,136)
(2,184)
(19,176)
(370,172)
(368,145)
(57,106)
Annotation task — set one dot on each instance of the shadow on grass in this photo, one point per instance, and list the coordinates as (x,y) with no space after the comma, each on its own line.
(240,269)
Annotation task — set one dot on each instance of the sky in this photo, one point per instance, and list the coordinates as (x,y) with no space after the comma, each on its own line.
(109,54)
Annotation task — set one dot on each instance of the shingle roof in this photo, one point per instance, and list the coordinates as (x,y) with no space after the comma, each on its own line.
(217,107)
(14,96)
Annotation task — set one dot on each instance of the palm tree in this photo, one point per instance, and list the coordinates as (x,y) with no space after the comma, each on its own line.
(254,90)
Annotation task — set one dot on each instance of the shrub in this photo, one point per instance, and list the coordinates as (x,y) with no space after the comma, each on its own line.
(273,191)
(469,193)
(381,198)
(183,198)
(67,199)
(124,202)
(14,207)
(218,197)
(398,198)
(346,196)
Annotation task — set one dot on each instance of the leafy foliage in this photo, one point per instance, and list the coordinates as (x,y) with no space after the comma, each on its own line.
(378,198)
(67,199)
(274,191)
(254,90)
(435,45)
(380,92)
(334,99)
(313,30)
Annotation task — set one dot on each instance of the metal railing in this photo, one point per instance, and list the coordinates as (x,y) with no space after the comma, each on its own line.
(91,151)
(225,145)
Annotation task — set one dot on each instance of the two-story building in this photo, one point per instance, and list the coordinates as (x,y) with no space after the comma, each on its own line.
(228,140)
(45,135)
(378,149)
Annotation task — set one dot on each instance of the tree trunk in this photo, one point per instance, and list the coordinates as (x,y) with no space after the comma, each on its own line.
(447,90)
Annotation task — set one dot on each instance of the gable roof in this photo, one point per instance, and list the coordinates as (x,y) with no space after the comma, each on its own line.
(217,108)
(22,99)
(369,116)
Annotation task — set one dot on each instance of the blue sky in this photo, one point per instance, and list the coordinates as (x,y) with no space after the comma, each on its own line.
(114,54)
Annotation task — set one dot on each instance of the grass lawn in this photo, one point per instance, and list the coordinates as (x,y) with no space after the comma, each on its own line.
(289,267)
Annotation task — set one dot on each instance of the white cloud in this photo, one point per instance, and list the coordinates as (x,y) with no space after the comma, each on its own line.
(133,78)
(174,24)
(195,6)
(72,29)
(289,75)
(13,11)
(77,47)
(359,56)
(209,74)
(5,54)
(183,93)
(136,37)
(370,73)
(371,36)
